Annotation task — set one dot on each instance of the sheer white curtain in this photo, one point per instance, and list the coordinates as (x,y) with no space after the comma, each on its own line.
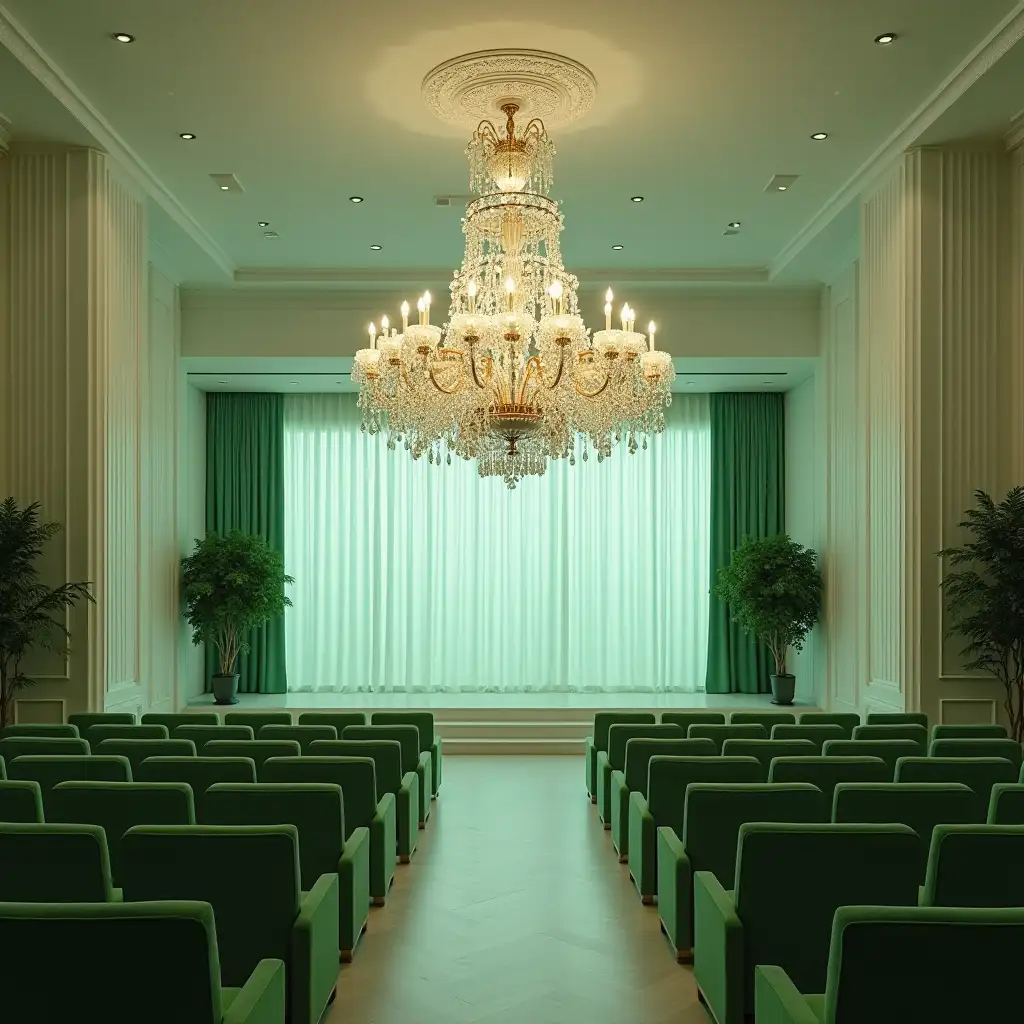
(412,577)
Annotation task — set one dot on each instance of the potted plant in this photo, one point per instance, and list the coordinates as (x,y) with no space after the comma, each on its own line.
(31,613)
(772,588)
(233,582)
(985,596)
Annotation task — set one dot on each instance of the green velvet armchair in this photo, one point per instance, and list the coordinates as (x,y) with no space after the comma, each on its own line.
(54,863)
(614,758)
(1006,805)
(258,750)
(414,759)
(980,773)
(201,734)
(847,721)
(817,734)
(915,733)
(827,772)
(718,734)
(430,741)
(598,740)
(975,866)
(50,769)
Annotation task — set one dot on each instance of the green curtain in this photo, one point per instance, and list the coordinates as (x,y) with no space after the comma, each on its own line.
(747,499)
(245,491)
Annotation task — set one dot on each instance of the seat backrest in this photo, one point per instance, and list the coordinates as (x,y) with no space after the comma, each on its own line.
(138,750)
(968,732)
(817,734)
(684,719)
(423,720)
(304,735)
(980,773)
(355,775)
(85,720)
(619,735)
(921,805)
(640,751)
(844,865)
(20,801)
(898,718)
(198,772)
(766,750)
(915,733)
(827,772)
(386,756)
(1010,749)
(200,735)
(975,866)
(39,729)
(847,721)
(95,985)
(769,719)
(718,734)
(16,746)
(669,777)
(173,719)
(3,769)
(257,719)
(248,874)
(890,965)
(117,806)
(314,808)
(53,863)
(604,720)
(340,720)
(407,736)
(890,751)
(1006,805)
(257,750)
(99,733)
(713,814)
(50,769)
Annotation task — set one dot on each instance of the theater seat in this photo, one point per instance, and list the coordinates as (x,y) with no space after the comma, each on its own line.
(598,740)
(52,863)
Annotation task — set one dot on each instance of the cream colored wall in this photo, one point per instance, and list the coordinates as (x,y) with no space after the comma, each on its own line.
(192,520)
(805,502)
(737,323)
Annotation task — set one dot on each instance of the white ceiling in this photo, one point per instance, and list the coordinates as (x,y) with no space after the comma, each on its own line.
(700,102)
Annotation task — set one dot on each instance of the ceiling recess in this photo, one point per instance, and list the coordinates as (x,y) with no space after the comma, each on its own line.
(781,182)
(227,182)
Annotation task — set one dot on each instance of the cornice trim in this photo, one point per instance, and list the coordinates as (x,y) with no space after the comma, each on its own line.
(28,52)
(994,46)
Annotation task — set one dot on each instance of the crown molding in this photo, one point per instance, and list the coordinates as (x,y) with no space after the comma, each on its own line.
(28,52)
(370,279)
(1015,136)
(980,60)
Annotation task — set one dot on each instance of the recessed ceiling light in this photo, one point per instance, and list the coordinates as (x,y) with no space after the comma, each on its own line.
(782,188)
(818,136)
(224,188)
(222,382)
(295,383)
(124,37)
(689,383)
(374,247)
(636,199)
(263,223)
(767,382)
(355,199)
(886,38)
(187,136)
(616,246)
(734,223)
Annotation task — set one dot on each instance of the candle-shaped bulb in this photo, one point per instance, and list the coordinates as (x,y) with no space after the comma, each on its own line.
(607,316)
(471,292)
(420,305)
(624,315)
(373,336)
(510,287)
(650,334)
(608,296)
(384,324)
(555,291)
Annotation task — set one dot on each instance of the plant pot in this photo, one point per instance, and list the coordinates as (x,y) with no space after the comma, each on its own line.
(224,689)
(783,689)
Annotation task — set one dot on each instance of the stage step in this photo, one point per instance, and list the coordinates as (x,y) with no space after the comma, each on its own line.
(513,729)
(522,745)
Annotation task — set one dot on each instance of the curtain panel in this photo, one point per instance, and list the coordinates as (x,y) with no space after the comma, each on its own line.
(415,577)
(245,491)
(747,499)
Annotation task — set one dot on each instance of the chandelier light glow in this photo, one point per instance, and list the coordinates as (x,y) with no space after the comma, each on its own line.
(514,378)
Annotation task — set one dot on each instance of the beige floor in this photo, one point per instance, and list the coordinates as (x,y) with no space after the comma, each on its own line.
(514,909)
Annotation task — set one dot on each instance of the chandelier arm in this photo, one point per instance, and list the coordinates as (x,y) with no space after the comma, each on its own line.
(476,379)
(558,373)
(486,132)
(536,129)
(593,394)
(532,367)
(444,391)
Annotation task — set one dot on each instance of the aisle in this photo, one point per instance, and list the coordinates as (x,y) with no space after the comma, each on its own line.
(515,910)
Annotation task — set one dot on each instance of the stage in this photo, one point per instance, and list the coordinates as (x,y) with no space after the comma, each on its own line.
(504,723)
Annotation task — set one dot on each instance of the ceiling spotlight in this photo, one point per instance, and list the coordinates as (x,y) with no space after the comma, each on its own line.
(355,199)
(781,188)
(886,38)
(734,223)
(375,248)
(224,188)
(818,136)
(187,136)
(263,223)
(636,199)
(124,37)
(616,246)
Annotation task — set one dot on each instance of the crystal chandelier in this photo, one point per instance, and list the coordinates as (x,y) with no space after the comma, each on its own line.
(514,378)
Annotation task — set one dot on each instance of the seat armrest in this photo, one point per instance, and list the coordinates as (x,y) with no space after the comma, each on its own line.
(261,999)
(675,890)
(718,957)
(777,1000)
(643,851)
(314,967)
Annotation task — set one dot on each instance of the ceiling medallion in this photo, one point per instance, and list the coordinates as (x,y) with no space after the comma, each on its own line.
(514,378)
(471,88)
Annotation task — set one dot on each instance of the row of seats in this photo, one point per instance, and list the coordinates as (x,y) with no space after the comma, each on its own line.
(715,819)
(286,831)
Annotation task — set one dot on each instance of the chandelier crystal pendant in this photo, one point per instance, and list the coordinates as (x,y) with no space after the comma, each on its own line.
(514,378)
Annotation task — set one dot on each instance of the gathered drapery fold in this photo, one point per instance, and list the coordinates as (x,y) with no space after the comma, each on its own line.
(417,577)
(747,499)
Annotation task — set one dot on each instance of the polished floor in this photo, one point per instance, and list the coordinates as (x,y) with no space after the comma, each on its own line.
(514,910)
